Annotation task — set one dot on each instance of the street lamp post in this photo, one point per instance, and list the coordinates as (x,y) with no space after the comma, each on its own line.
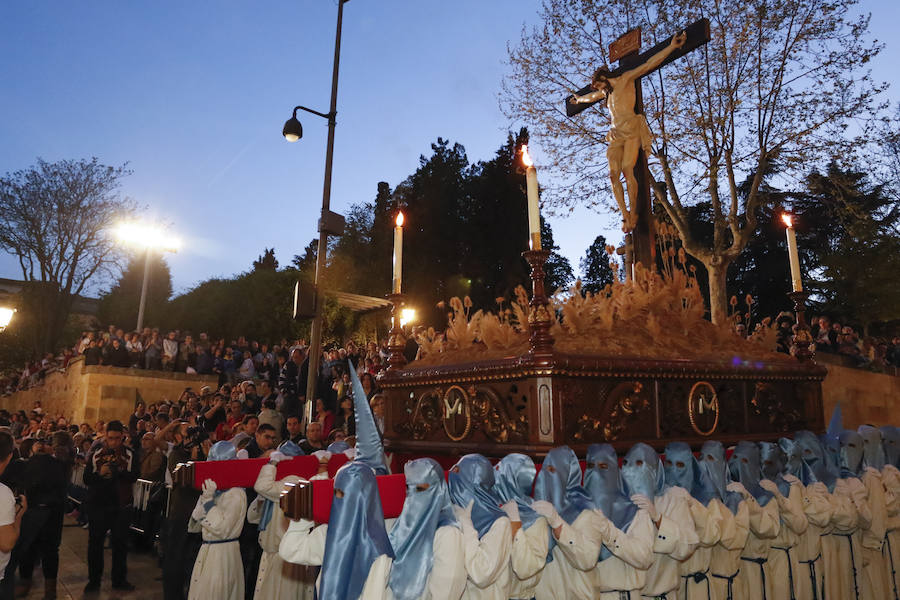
(292,132)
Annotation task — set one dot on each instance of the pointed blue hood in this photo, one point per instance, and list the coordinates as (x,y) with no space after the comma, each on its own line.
(850,453)
(873,448)
(642,472)
(603,483)
(472,480)
(427,507)
(816,458)
(713,480)
(772,460)
(356,533)
(890,441)
(744,467)
(559,483)
(369,447)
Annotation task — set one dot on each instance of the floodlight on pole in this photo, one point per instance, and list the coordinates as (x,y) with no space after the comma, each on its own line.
(149,238)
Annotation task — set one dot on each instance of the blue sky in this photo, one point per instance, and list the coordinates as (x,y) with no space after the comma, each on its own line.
(194,94)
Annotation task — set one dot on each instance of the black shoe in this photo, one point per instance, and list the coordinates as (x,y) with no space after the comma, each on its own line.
(92,586)
(123,586)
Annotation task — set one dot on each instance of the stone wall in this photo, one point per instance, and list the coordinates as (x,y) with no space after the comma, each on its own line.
(88,393)
(865,397)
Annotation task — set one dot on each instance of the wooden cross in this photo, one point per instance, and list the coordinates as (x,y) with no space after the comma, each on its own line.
(625,50)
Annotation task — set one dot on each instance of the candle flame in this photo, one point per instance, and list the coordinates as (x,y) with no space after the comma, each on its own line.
(788,219)
(399,219)
(526,158)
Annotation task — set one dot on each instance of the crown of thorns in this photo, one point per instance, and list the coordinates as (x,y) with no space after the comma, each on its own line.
(602,71)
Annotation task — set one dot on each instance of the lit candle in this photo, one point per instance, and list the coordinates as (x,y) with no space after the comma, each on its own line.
(796,281)
(534,211)
(398,253)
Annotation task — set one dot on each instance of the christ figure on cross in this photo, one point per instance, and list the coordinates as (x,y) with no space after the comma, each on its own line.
(629,132)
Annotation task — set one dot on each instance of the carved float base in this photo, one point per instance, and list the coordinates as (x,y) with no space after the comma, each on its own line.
(515,405)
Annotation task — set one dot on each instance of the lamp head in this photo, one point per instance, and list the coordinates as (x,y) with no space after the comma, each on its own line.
(787,219)
(6,315)
(293,130)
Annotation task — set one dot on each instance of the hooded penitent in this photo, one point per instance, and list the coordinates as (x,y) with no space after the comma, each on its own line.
(816,459)
(369,447)
(793,460)
(559,483)
(850,453)
(472,480)
(744,467)
(223,450)
(602,482)
(890,438)
(642,472)
(427,507)
(514,479)
(873,450)
(772,460)
(713,479)
(680,466)
(356,533)
(290,449)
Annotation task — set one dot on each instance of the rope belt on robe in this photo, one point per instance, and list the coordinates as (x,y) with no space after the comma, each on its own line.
(887,540)
(849,537)
(787,551)
(221,541)
(762,571)
(812,575)
(624,595)
(697,577)
(730,580)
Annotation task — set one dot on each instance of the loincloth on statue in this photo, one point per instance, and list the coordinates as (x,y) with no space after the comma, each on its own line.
(632,127)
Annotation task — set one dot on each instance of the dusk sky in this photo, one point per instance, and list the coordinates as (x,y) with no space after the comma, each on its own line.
(193,96)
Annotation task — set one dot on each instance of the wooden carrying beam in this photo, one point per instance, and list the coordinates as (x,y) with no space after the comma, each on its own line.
(243,473)
(312,499)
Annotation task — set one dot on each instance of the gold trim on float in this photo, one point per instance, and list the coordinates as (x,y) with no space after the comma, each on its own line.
(713,404)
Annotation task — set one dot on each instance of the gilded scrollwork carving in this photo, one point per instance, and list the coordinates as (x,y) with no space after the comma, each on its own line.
(770,405)
(461,411)
(620,407)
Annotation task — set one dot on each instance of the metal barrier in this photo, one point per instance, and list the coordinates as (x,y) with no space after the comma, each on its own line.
(151,499)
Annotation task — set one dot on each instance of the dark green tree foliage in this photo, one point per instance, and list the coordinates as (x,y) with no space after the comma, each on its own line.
(496,226)
(120,304)
(267,261)
(256,304)
(306,263)
(848,231)
(595,269)
(558,272)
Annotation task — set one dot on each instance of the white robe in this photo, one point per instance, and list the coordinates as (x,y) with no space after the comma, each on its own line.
(447,580)
(304,544)
(781,576)
(725,557)
(218,570)
(877,579)
(487,561)
(276,580)
(575,554)
(707,524)
(528,558)
(841,549)
(632,556)
(890,476)
(764,525)
(809,567)
(676,540)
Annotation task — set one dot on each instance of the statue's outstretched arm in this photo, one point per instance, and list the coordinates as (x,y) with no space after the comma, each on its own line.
(657,59)
(588,98)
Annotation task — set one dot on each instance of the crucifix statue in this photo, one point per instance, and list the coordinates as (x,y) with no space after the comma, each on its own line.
(629,137)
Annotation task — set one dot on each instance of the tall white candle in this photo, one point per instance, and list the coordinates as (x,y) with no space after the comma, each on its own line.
(398,254)
(793,255)
(534,212)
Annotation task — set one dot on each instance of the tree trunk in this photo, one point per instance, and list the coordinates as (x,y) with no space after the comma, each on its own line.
(718,295)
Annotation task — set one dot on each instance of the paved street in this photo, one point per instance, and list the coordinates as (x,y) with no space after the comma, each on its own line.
(143,571)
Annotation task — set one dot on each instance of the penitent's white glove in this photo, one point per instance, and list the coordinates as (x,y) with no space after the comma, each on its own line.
(547,510)
(464,516)
(208,490)
(770,486)
(736,486)
(276,457)
(511,509)
(642,501)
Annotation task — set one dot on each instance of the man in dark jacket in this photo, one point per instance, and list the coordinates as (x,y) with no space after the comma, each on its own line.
(110,471)
(44,479)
